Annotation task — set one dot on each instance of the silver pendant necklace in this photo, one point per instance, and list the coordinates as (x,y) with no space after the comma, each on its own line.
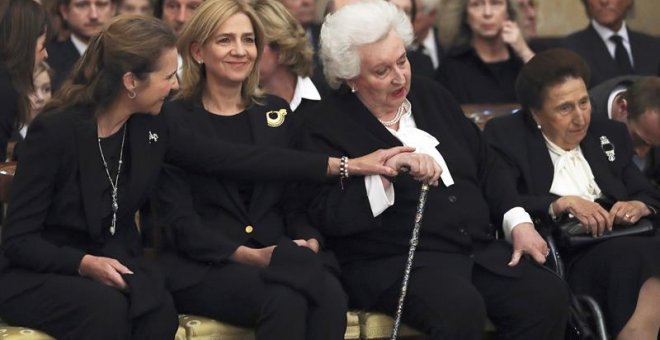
(115,184)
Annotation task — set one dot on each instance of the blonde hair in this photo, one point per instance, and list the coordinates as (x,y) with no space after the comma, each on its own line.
(284,32)
(207,19)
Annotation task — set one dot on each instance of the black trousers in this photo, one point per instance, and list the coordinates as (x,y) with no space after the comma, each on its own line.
(447,305)
(71,307)
(236,294)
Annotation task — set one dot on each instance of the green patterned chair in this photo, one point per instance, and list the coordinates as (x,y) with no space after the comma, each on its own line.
(201,328)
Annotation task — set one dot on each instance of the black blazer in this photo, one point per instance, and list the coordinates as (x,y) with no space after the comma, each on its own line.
(205,217)
(600,94)
(588,44)
(55,213)
(62,56)
(457,221)
(522,145)
(8,110)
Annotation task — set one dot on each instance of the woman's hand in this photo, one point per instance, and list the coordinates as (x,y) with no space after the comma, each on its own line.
(513,37)
(526,240)
(252,256)
(628,212)
(421,166)
(371,164)
(590,214)
(105,270)
(312,244)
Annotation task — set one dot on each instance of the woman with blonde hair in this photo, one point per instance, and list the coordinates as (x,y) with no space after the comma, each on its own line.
(237,250)
(286,63)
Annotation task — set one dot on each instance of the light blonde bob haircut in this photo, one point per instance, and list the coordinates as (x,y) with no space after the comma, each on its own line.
(285,34)
(208,17)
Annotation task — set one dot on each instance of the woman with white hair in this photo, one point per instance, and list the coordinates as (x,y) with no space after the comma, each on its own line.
(461,272)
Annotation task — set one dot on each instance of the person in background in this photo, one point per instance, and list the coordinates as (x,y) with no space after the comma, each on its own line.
(84,19)
(143,7)
(490,52)
(527,18)
(610,48)
(461,272)
(634,101)
(286,63)
(38,99)
(566,165)
(23,25)
(176,13)
(420,63)
(426,33)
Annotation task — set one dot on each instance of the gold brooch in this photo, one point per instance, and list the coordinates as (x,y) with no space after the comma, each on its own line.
(275,118)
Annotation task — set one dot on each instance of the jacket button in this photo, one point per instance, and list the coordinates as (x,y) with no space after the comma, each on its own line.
(452,199)
(249,229)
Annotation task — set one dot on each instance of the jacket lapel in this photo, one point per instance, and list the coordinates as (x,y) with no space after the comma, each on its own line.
(90,166)
(543,171)
(600,167)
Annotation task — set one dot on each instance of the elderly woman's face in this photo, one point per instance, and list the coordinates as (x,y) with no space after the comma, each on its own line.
(384,79)
(566,113)
(486,17)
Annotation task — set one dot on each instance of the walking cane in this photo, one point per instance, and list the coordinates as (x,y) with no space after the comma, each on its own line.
(414,239)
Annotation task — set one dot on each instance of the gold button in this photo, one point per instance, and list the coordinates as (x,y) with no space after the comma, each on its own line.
(249,229)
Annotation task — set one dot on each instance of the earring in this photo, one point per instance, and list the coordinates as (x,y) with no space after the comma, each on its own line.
(132,94)
(353,89)
(538,126)
(200,62)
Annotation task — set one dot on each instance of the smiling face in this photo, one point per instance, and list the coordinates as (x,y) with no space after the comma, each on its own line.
(384,79)
(152,91)
(565,114)
(230,53)
(486,17)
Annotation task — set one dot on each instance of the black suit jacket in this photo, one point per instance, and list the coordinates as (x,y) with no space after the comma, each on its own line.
(456,229)
(600,94)
(522,145)
(62,56)
(588,44)
(8,110)
(206,218)
(56,208)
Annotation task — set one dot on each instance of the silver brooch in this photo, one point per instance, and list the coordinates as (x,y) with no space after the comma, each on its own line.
(607,147)
(153,137)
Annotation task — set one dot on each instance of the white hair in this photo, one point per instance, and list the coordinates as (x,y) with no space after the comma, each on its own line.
(429,5)
(354,25)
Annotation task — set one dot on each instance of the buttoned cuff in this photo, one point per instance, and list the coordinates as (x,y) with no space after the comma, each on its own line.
(513,218)
(379,197)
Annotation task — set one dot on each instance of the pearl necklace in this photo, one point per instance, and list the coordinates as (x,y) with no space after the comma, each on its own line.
(403,109)
(115,184)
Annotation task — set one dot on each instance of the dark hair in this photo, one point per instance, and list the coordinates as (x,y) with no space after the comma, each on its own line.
(22,22)
(130,43)
(465,32)
(546,69)
(643,95)
(158,8)
(68,2)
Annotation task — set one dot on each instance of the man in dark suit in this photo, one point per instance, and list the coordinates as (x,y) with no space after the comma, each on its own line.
(84,18)
(634,101)
(426,33)
(610,48)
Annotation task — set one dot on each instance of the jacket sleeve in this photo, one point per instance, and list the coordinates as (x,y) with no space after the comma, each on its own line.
(33,190)
(213,157)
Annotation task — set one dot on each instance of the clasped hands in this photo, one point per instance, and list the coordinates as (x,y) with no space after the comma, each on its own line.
(388,162)
(595,218)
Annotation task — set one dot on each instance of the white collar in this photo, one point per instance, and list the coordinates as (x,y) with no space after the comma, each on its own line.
(605,33)
(556,149)
(305,89)
(79,44)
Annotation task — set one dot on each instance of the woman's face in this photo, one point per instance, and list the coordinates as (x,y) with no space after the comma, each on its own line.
(384,79)
(230,53)
(152,92)
(486,17)
(42,92)
(40,53)
(566,113)
(268,63)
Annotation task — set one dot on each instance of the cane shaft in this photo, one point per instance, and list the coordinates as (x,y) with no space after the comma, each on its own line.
(414,240)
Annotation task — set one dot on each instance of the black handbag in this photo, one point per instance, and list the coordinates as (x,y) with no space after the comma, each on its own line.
(573,234)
